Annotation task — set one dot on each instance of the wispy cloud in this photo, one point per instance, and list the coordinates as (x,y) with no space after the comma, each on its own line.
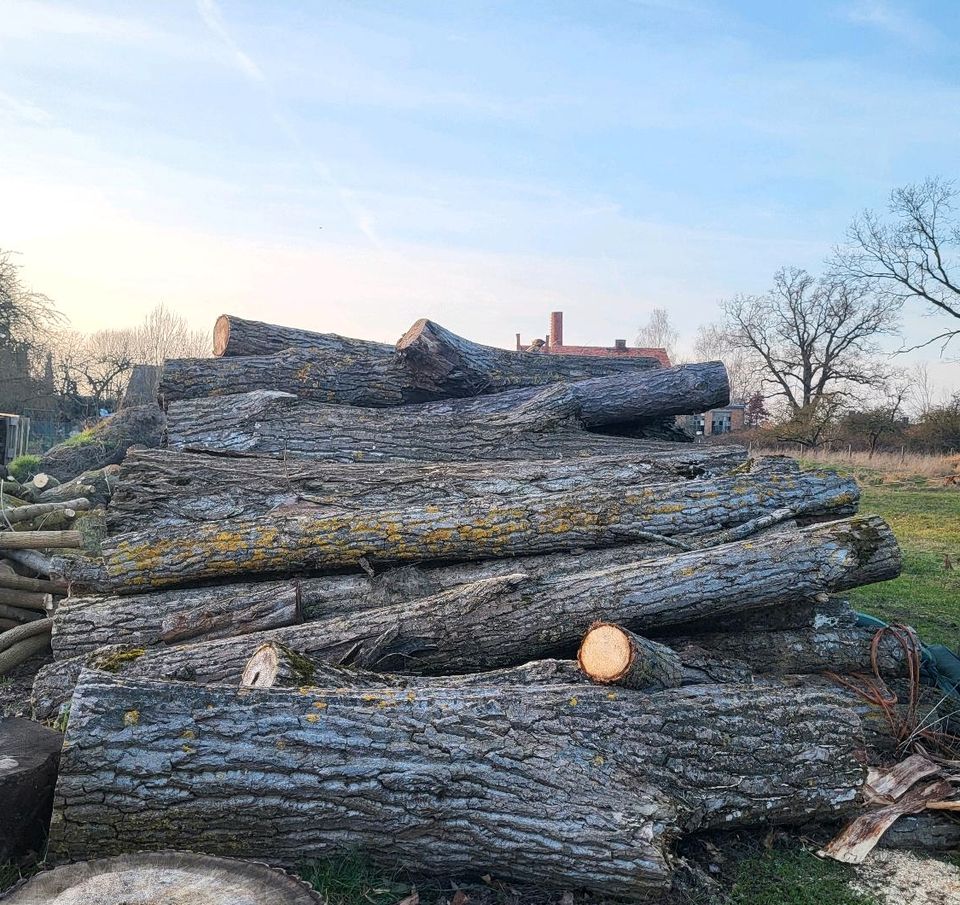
(895,21)
(24,110)
(213,19)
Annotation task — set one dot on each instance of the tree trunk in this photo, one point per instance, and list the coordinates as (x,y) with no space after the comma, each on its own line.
(40,540)
(12,656)
(302,538)
(450,365)
(34,510)
(572,787)
(511,619)
(612,655)
(95,486)
(28,770)
(338,378)
(160,487)
(14,582)
(234,336)
(83,624)
(299,421)
(274,665)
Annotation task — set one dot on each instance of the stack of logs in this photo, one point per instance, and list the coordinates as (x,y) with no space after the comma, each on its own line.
(38,515)
(450,605)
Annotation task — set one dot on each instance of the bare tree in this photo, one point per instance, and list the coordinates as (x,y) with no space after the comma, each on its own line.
(911,256)
(165,334)
(659,333)
(814,337)
(715,342)
(25,315)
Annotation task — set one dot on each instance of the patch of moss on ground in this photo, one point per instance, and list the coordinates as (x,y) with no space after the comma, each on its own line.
(794,877)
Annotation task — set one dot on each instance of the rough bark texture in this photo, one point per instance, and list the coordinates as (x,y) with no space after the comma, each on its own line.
(338,378)
(284,418)
(170,878)
(106,443)
(96,486)
(83,624)
(142,386)
(450,365)
(576,787)
(613,655)
(29,754)
(161,487)
(511,619)
(474,529)
(841,649)
(234,336)
(274,665)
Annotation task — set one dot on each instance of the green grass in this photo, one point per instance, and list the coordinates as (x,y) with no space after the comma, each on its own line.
(794,877)
(926,521)
(23,468)
(351,880)
(84,438)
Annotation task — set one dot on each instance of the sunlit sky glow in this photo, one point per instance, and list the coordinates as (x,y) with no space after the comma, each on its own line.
(352,166)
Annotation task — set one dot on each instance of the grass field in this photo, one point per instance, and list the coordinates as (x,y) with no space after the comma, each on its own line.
(925,516)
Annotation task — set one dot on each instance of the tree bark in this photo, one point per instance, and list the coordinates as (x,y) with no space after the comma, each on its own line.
(333,377)
(514,618)
(83,624)
(234,336)
(302,538)
(612,655)
(160,487)
(14,582)
(11,657)
(96,486)
(274,665)
(29,754)
(285,418)
(34,510)
(40,540)
(573,787)
(450,365)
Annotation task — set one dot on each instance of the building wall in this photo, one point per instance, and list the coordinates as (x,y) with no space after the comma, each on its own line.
(553,344)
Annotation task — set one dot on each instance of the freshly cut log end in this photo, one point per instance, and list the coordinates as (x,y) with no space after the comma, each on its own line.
(610,654)
(221,335)
(150,877)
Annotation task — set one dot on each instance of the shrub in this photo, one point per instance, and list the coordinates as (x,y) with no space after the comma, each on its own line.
(23,468)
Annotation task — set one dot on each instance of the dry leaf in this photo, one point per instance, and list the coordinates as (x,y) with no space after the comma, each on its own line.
(459,898)
(412,899)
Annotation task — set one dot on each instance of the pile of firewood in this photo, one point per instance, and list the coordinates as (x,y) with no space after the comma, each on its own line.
(450,605)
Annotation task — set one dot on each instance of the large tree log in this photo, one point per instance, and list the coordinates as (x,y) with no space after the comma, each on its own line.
(512,619)
(274,665)
(303,538)
(272,421)
(83,624)
(161,487)
(450,365)
(325,376)
(233,336)
(565,786)
(28,770)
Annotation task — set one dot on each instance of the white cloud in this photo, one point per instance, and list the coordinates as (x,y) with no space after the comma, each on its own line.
(213,19)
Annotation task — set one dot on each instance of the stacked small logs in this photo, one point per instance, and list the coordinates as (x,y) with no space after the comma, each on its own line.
(440,602)
(38,517)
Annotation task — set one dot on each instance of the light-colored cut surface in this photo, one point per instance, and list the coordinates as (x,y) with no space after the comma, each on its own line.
(605,653)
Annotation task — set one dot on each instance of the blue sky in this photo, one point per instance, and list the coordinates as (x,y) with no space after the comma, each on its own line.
(351,166)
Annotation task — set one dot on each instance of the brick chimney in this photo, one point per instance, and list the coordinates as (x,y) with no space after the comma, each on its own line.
(620,345)
(556,328)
